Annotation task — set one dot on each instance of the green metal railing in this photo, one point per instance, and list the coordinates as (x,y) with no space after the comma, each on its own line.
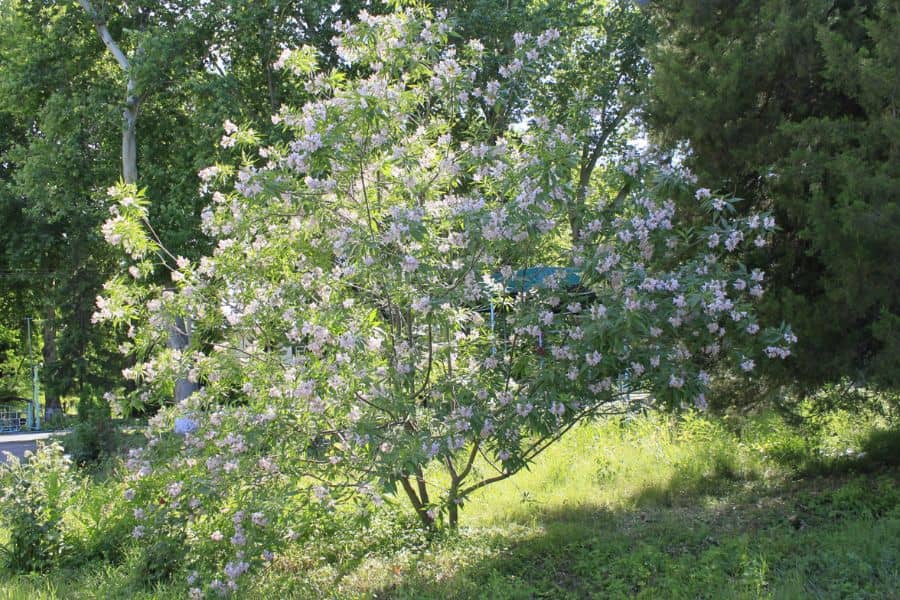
(11,419)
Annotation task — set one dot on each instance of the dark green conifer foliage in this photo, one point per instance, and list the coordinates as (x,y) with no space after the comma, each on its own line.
(794,105)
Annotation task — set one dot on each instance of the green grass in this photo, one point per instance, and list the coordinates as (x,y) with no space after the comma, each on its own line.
(647,508)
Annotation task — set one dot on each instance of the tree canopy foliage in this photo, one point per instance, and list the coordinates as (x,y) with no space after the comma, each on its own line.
(62,95)
(793,106)
(788,106)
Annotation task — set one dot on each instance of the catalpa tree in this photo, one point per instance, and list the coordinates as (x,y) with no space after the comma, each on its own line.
(396,306)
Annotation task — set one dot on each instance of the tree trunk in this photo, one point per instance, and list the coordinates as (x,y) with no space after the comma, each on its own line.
(132,100)
(52,402)
(420,508)
(129,135)
(179,335)
(453,514)
(179,339)
(453,502)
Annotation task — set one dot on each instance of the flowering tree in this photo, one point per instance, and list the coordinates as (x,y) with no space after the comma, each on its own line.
(395,302)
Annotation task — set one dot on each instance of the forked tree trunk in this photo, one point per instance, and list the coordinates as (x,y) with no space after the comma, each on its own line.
(420,507)
(132,100)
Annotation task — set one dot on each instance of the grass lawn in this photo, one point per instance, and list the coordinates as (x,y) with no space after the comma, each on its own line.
(649,508)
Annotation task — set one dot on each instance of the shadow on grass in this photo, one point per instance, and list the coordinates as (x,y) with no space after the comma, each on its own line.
(880,449)
(825,537)
(720,477)
(719,529)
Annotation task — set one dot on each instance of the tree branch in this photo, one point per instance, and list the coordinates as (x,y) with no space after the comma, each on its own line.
(533,451)
(423,486)
(485,482)
(470,461)
(103,31)
(427,377)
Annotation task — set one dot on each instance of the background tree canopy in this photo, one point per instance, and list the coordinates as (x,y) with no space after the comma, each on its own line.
(61,100)
(790,106)
(793,105)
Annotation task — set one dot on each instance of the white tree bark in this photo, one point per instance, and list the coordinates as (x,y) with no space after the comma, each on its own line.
(132,100)
(179,339)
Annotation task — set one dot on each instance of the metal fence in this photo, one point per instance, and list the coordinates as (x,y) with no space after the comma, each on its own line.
(11,419)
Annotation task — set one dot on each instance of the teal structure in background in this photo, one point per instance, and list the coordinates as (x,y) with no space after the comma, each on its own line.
(33,412)
(534,277)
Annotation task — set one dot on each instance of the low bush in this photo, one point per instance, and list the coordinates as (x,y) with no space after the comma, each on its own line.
(95,435)
(58,421)
(89,441)
(36,494)
(620,508)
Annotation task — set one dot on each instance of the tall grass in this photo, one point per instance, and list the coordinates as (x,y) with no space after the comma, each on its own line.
(648,506)
(621,465)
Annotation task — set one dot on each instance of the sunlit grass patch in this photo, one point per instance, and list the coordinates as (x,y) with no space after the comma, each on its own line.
(616,465)
(643,507)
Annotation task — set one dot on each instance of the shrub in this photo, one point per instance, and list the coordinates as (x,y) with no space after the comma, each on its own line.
(102,520)
(883,446)
(57,421)
(91,439)
(399,287)
(36,495)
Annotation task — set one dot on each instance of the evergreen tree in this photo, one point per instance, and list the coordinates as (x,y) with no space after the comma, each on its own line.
(793,105)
